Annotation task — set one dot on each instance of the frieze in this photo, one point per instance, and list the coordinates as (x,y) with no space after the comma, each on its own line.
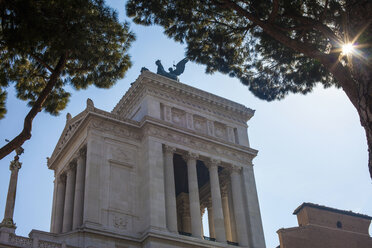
(20,241)
(194,103)
(197,144)
(115,129)
(24,242)
(47,244)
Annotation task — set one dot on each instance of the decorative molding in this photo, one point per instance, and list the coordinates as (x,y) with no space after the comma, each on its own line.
(115,129)
(197,144)
(20,241)
(200,124)
(167,113)
(73,124)
(230,134)
(191,156)
(179,117)
(47,244)
(119,222)
(24,242)
(169,149)
(150,83)
(234,169)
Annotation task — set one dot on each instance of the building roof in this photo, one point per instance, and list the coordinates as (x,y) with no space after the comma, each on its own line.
(312,205)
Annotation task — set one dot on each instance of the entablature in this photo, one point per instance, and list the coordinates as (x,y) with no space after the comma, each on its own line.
(204,145)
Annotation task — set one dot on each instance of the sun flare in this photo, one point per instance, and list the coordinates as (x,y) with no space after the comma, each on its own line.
(347,48)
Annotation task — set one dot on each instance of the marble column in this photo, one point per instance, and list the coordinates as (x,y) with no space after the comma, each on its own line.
(69,199)
(184,212)
(232,215)
(211,220)
(219,227)
(77,220)
(14,167)
(237,195)
(226,212)
(170,190)
(53,215)
(60,203)
(202,211)
(193,195)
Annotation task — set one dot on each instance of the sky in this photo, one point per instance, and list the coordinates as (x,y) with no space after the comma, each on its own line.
(311,148)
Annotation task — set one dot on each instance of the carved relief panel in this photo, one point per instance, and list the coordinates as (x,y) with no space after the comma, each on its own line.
(200,124)
(179,117)
(220,130)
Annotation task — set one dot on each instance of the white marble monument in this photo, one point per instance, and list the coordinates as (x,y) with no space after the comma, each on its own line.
(144,174)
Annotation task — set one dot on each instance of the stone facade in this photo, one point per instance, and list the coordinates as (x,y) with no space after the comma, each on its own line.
(144,174)
(325,227)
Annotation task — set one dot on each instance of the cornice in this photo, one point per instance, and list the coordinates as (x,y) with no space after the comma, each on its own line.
(148,79)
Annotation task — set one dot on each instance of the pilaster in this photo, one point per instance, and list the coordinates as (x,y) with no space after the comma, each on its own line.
(253,209)
(69,198)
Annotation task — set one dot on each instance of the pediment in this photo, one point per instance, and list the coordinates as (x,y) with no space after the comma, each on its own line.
(70,128)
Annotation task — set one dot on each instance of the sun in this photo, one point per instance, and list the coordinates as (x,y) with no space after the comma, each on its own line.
(347,48)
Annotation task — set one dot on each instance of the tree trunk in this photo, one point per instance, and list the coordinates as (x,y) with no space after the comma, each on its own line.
(36,108)
(365,114)
(358,17)
(363,74)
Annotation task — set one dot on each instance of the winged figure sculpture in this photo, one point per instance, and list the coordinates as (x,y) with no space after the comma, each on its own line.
(173,73)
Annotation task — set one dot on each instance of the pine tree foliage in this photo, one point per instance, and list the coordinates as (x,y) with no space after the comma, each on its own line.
(275,47)
(48,45)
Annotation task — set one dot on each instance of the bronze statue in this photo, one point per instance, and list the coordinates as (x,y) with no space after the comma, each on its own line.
(172,74)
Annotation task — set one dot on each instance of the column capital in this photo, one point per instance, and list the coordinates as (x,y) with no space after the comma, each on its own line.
(61,178)
(212,163)
(191,156)
(234,168)
(15,165)
(71,166)
(169,149)
(81,153)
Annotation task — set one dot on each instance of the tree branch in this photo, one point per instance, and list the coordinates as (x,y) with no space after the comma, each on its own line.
(341,74)
(325,11)
(42,62)
(274,12)
(36,108)
(317,25)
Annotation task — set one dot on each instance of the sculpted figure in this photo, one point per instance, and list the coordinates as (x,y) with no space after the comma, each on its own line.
(172,74)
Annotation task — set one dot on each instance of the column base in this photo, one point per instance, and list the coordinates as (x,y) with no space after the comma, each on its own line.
(6,230)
